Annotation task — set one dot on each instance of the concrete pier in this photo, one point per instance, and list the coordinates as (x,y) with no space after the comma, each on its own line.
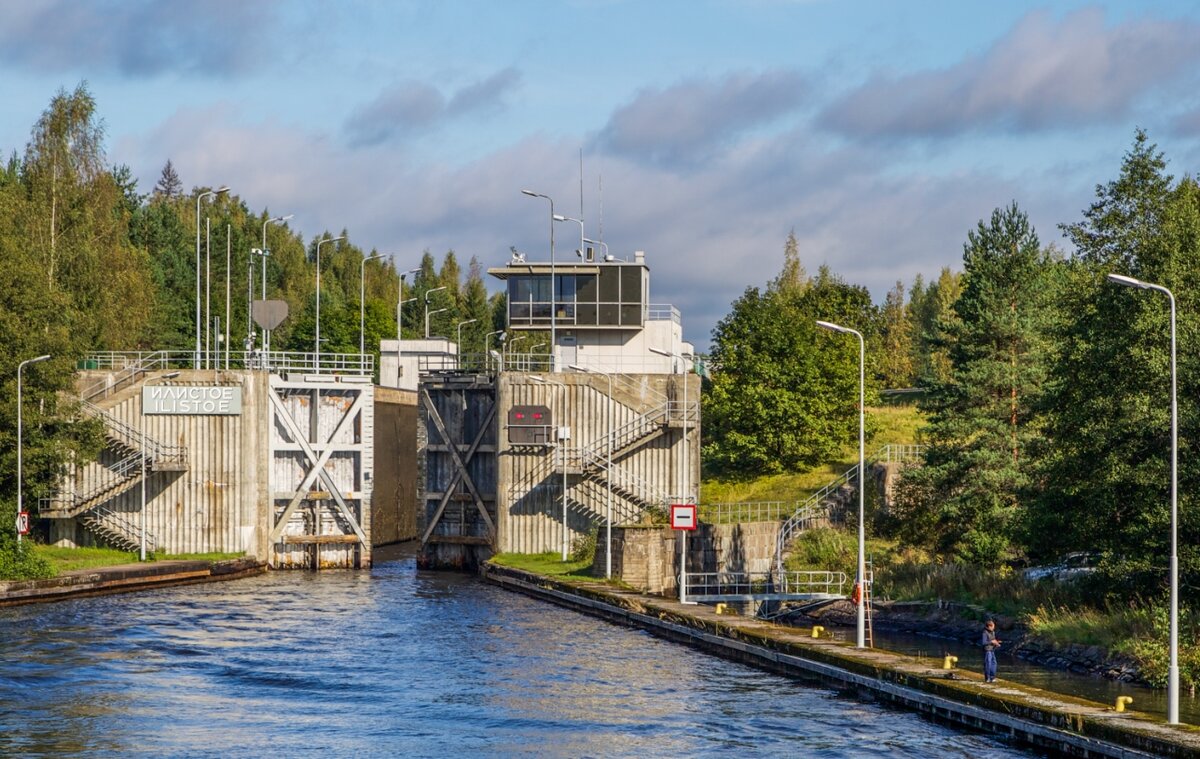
(124,578)
(1050,721)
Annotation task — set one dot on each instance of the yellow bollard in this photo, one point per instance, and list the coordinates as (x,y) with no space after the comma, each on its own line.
(721,608)
(1122,701)
(949,662)
(817,630)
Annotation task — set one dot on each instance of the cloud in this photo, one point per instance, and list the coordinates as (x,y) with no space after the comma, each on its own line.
(708,233)
(1041,75)
(412,107)
(135,37)
(1187,124)
(690,122)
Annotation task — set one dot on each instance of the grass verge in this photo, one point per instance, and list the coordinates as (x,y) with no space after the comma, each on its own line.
(550,564)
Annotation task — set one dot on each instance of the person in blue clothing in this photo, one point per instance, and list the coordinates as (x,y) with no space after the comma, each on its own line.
(990,643)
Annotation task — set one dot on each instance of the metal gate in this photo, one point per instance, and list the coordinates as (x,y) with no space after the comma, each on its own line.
(321,472)
(456,447)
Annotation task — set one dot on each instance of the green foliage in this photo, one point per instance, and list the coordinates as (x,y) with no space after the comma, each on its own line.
(583,549)
(966,498)
(786,394)
(18,561)
(1104,479)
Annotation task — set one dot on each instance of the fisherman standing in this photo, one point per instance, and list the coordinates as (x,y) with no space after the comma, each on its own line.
(990,643)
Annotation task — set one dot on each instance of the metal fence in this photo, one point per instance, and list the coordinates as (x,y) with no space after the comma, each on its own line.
(804,583)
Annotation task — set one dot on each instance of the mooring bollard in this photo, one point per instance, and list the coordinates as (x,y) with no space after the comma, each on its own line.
(1122,701)
(721,608)
(817,630)
(949,662)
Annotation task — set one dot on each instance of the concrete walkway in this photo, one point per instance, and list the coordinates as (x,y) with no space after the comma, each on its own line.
(123,578)
(1048,720)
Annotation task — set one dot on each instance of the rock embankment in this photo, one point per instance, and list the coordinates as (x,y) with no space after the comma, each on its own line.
(960,622)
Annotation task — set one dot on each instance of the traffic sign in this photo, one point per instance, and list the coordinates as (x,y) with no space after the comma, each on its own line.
(23,523)
(683,516)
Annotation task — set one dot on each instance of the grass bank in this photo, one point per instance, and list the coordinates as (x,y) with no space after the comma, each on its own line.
(70,559)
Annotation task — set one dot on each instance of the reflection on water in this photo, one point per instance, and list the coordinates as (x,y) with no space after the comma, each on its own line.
(400,662)
(1018,670)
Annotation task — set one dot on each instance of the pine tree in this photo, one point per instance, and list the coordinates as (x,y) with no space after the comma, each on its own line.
(965,499)
(896,349)
(169,186)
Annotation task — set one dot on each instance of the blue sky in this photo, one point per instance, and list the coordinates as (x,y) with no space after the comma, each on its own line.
(880,131)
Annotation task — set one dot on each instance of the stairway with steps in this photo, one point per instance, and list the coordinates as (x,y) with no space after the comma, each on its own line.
(85,494)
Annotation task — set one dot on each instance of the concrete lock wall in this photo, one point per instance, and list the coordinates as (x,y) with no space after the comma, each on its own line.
(394,502)
(215,504)
(647,558)
(530,482)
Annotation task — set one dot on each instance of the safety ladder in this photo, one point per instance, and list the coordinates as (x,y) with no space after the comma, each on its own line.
(867,593)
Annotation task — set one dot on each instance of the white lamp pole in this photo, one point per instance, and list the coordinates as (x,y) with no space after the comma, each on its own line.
(427,292)
(201,196)
(266,338)
(458,332)
(608,471)
(362,295)
(400,301)
(1173,667)
(553,285)
(317,340)
(20,450)
(862,480)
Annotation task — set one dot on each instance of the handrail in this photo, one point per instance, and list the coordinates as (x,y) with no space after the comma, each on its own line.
(127,529)
(354,364)
(801,582)
(117,474)
(136,439)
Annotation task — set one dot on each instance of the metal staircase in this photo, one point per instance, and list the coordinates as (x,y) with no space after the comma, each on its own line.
(86,492)
(816,507)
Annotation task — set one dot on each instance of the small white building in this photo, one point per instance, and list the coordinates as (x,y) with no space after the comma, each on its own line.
(401,361)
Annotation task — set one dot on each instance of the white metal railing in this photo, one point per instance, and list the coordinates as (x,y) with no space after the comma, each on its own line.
(816,506)
(133,438)
(749,584)
(662,312)
(134,363)
(747,511)
(107,479)
(118,530)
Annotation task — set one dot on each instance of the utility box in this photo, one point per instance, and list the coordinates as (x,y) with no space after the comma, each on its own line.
(529,425)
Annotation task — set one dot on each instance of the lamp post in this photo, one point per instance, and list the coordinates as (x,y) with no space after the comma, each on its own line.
(862,476)
(602,244)
(400,301)
(201,196)
(362,296)
(562,415)
(427,292)
(686,472)
(553,285)
(266,339)
(487,339)
(20,445)
(1173,667)
(580,223)
(317,338)
(608,470)
(458,338)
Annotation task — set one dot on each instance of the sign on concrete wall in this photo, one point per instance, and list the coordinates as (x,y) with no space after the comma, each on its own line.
(192,399)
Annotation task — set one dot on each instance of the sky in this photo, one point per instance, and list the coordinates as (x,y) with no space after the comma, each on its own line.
(879,131)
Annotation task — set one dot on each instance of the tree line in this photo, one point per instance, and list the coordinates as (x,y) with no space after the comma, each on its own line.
(90,263)
(1046,386)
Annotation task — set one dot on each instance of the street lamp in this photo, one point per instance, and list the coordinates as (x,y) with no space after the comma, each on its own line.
(608,471)
(142,430)
(265,251)
(561,445)
(400,301)
(432,313)
(862,480)
(458,337)
(603,246)
(487,339)
(686,475)
(427,292)
(362,296)
(201,196)
(20,483)
(580,223)
(553,286)
(317,339)
(1173,667)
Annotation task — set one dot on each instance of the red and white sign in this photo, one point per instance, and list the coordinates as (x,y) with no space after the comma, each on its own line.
(683,516)
(23,523)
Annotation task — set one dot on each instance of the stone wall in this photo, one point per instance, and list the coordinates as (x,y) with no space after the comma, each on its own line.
(647,558)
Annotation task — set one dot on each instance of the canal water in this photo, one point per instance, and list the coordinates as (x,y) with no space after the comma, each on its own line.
(398,662)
